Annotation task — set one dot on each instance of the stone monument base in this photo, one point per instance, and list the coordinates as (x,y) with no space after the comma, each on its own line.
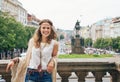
(76,47)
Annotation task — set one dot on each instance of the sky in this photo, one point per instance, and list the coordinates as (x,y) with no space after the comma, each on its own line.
(65,13)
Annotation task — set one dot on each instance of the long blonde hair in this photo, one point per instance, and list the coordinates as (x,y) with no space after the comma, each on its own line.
(38,36)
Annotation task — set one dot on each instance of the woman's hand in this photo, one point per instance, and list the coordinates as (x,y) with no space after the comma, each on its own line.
(50,66)
(10,65)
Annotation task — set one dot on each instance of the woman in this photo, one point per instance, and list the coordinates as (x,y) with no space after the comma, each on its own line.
(39,64)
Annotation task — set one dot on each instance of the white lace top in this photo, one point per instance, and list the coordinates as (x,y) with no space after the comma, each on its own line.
(46,55)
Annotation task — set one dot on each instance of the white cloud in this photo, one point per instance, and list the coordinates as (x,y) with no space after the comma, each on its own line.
(64,13)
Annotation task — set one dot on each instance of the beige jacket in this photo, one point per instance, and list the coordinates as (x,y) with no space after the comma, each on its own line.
(18,72)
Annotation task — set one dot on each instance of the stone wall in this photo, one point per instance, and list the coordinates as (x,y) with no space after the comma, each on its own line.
(81,67)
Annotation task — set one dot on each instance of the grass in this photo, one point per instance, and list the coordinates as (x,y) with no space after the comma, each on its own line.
(84,56)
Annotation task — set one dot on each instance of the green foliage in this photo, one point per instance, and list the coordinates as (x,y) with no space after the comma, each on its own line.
(84,56)
(106,43)
(12,33)
(116,43)
(102,43)
(6,35)
(62,37)
(88,42)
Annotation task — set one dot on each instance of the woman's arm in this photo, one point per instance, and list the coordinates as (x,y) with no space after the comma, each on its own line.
(55,49)
(52,63)
(12,63)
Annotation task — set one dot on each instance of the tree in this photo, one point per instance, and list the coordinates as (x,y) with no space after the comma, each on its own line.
(29,31)
(12,33)
(7,35)
(97,43)
(88,42)
(116,43)
(61,37)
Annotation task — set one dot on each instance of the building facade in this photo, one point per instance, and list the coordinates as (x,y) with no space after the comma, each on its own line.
(106,28)
(85,32)
(115,27)
(15,9)
(0,4)
(22,14)
(33,20)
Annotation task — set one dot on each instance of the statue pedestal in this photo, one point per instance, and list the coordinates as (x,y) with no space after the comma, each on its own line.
(76,46)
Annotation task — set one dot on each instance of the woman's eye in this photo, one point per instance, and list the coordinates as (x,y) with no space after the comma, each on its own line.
(48,28)
(43,27)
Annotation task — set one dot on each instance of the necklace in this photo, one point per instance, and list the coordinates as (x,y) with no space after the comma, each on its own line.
(41,49)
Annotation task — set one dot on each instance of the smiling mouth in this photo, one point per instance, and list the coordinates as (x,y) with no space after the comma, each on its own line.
(45,32)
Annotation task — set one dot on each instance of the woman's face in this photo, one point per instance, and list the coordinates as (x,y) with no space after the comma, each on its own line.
(45,29)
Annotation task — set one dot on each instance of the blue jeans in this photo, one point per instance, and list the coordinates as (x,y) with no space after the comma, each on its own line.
(38,76)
